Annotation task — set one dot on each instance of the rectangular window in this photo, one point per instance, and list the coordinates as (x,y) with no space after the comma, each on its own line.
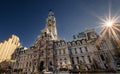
(45,34)
(89,59)
(72,60)
(86,49)
(75,51)
(80,50)
(64,51)
(70,51)
(102,57)
(59,51)
(83,59)
(77,60)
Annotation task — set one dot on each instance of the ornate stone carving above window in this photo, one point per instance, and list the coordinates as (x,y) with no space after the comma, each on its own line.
(63,43)
(69,44)
(59,44)
(73,43)
(83,42)
(78,43)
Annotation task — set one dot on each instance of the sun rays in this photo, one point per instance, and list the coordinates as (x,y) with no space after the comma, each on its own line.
(110,27)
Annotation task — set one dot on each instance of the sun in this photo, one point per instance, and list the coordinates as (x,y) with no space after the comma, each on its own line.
(109,27)
(109,23)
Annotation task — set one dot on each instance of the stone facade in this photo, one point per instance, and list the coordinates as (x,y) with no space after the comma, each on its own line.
(111,38)
(51,53)
(26,59)
(87,50)
(7,47)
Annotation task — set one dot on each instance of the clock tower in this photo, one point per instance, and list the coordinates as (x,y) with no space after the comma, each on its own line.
(51,25)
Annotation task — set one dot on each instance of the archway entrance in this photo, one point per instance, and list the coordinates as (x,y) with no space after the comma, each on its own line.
(50,66)
(41,67)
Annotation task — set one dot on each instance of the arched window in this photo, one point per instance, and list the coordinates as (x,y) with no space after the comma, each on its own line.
(69,44)
(75,51)
(63,43)
(83,42)
(55,44)
(77,60)
(102,57)
(78,43)
(72,60)
(59,44)
(60,59)
(73,43)
(65,60)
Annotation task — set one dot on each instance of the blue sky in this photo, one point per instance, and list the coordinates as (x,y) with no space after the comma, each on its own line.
(25,18)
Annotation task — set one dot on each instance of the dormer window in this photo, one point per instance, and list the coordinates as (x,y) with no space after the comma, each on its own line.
(83,42)
(74,37)
(78,43)
(59,44)
(63,43)
(73,44)
(55,44)
(69,44)
(78,36)
(93,35)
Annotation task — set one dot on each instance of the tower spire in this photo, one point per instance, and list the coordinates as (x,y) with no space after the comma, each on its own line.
(50,10)
(51,13)
(51,24)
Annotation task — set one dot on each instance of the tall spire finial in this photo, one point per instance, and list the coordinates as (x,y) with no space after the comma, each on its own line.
(50,13)
(50,10)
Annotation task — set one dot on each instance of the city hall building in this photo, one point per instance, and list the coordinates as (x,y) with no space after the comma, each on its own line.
(52,54)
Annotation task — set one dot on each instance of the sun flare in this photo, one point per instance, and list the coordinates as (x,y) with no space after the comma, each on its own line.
(109,23)
(108,26)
